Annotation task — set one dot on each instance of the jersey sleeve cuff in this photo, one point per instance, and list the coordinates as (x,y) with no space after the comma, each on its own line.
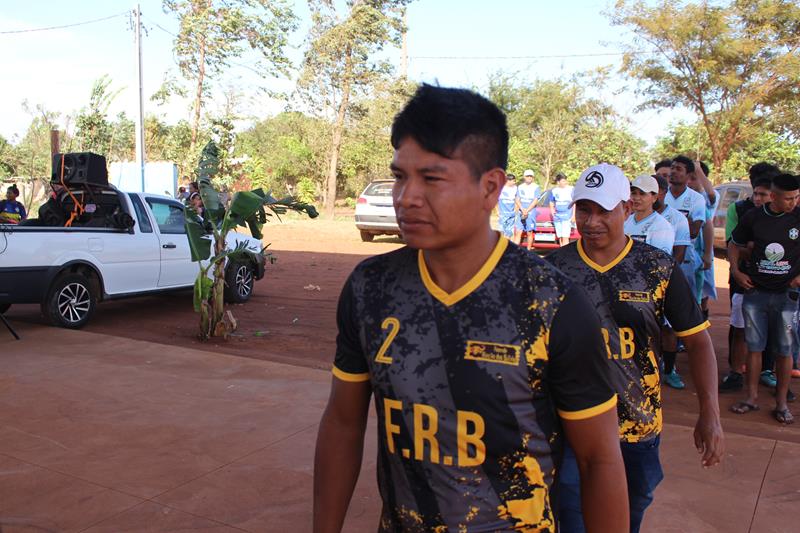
(583,414)
(350,377)
(696,329)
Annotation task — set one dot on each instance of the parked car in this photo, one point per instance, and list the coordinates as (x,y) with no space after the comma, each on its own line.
(728,193)
(69,269)
(545,235)
(375,212)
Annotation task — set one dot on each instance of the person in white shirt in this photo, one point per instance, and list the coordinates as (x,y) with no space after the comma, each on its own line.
(527,194)
(679,223)
(563,215)
(644,224)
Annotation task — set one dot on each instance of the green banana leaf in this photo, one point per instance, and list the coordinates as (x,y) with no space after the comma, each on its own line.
(199,244)
(202,290)
(207,169)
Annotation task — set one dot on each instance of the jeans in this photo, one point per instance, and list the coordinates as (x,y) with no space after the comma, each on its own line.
(770,316)
(642,468)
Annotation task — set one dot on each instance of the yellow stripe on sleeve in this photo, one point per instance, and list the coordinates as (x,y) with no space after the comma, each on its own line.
(696,329)
(351,378)
(583,414)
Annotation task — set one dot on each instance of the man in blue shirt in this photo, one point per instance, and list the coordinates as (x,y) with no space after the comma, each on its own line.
(12,211)
(527,194)
(561,210)
(507,206)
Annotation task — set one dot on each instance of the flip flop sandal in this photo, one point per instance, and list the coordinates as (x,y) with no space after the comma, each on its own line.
(741,408)
(783,416)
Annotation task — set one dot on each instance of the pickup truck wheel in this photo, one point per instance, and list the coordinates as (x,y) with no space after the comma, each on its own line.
(4,308)
(367,236)
(70,302)
(239,281)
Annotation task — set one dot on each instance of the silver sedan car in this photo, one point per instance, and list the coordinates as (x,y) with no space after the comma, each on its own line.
(374,211)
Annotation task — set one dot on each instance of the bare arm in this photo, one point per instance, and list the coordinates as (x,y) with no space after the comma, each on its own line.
(708,437)
(337,460)
(705,182)
(694,228)
(604,490)
(679,253)
(708,245)
(734,256)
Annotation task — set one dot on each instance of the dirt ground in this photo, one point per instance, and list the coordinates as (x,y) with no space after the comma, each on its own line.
(291,316)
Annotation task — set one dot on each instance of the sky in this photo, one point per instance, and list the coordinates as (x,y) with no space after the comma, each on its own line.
(452,42)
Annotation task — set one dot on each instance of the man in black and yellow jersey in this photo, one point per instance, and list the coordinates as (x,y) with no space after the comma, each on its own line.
(481,357)
(634,287)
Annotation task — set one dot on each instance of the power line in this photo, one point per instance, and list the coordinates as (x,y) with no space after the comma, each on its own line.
(66,25)
(555,56)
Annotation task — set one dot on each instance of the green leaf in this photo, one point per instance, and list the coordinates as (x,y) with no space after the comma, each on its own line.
(207,169)
(202,290)
(199,244)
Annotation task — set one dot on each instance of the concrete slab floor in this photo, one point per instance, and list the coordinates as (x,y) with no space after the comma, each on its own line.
(99,433)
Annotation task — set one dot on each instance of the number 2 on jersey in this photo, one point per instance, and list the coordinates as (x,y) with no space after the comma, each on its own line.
(393,325)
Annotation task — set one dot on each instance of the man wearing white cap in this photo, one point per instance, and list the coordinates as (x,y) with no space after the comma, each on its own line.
(527,194)
(634,287)
(644,224)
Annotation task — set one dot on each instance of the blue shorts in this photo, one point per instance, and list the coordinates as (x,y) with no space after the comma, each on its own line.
(563,228)
(709,285)
(642,468)
(528,224)
(773,316)
(507,223)
(690,272)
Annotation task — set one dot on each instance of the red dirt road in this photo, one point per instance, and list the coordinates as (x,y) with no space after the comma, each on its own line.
(288,320)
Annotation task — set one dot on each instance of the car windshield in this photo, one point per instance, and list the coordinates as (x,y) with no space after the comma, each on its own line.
(379,188)
(544,199)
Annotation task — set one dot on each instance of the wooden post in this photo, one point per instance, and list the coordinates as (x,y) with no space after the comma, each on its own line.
(54,143)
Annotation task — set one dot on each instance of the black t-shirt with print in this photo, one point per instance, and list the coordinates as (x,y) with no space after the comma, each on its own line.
(775,258)
(469,386)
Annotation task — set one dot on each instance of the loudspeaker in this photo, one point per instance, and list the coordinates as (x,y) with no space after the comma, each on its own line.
(80,168)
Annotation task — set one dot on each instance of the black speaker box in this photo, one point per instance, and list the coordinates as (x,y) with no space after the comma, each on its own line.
(80,168)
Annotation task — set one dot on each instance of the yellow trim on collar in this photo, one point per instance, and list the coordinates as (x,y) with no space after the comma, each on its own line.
(589,412)
(697,329)
(609,266)
(477,280)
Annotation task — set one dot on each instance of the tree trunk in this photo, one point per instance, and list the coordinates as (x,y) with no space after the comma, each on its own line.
(198,100)
(336,145)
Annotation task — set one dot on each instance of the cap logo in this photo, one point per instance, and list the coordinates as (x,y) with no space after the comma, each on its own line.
(594,180)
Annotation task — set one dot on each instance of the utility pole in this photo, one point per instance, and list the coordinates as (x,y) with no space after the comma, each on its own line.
(140,107)
(404,48)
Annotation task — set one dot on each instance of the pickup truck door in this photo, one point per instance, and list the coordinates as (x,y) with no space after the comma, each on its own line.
(177,268)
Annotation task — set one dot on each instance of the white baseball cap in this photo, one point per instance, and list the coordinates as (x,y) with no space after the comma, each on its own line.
(646,183)
(528,172)
(603,184)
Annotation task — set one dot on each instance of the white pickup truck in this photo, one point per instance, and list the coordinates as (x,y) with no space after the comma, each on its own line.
(69,270)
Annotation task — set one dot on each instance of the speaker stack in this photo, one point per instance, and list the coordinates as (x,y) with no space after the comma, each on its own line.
(80,168)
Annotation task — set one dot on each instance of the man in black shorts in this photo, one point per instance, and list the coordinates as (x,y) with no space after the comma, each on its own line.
(770,281)
(634,287)
(481,357)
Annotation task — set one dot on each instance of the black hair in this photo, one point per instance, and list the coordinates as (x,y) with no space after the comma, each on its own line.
(762,181)
(511,177)
(13,188)
(785,182)
(663,185)
(762,169)
(685,161)
(560,176)
(705,168)
(663,163)
(442,120)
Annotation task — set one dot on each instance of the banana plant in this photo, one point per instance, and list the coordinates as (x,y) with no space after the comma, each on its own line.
(208,240)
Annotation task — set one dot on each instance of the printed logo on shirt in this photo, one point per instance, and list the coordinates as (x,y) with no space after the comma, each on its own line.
(774,252)
(639,238)
(634,296)
(594,180)
(794,233)
(491,352)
